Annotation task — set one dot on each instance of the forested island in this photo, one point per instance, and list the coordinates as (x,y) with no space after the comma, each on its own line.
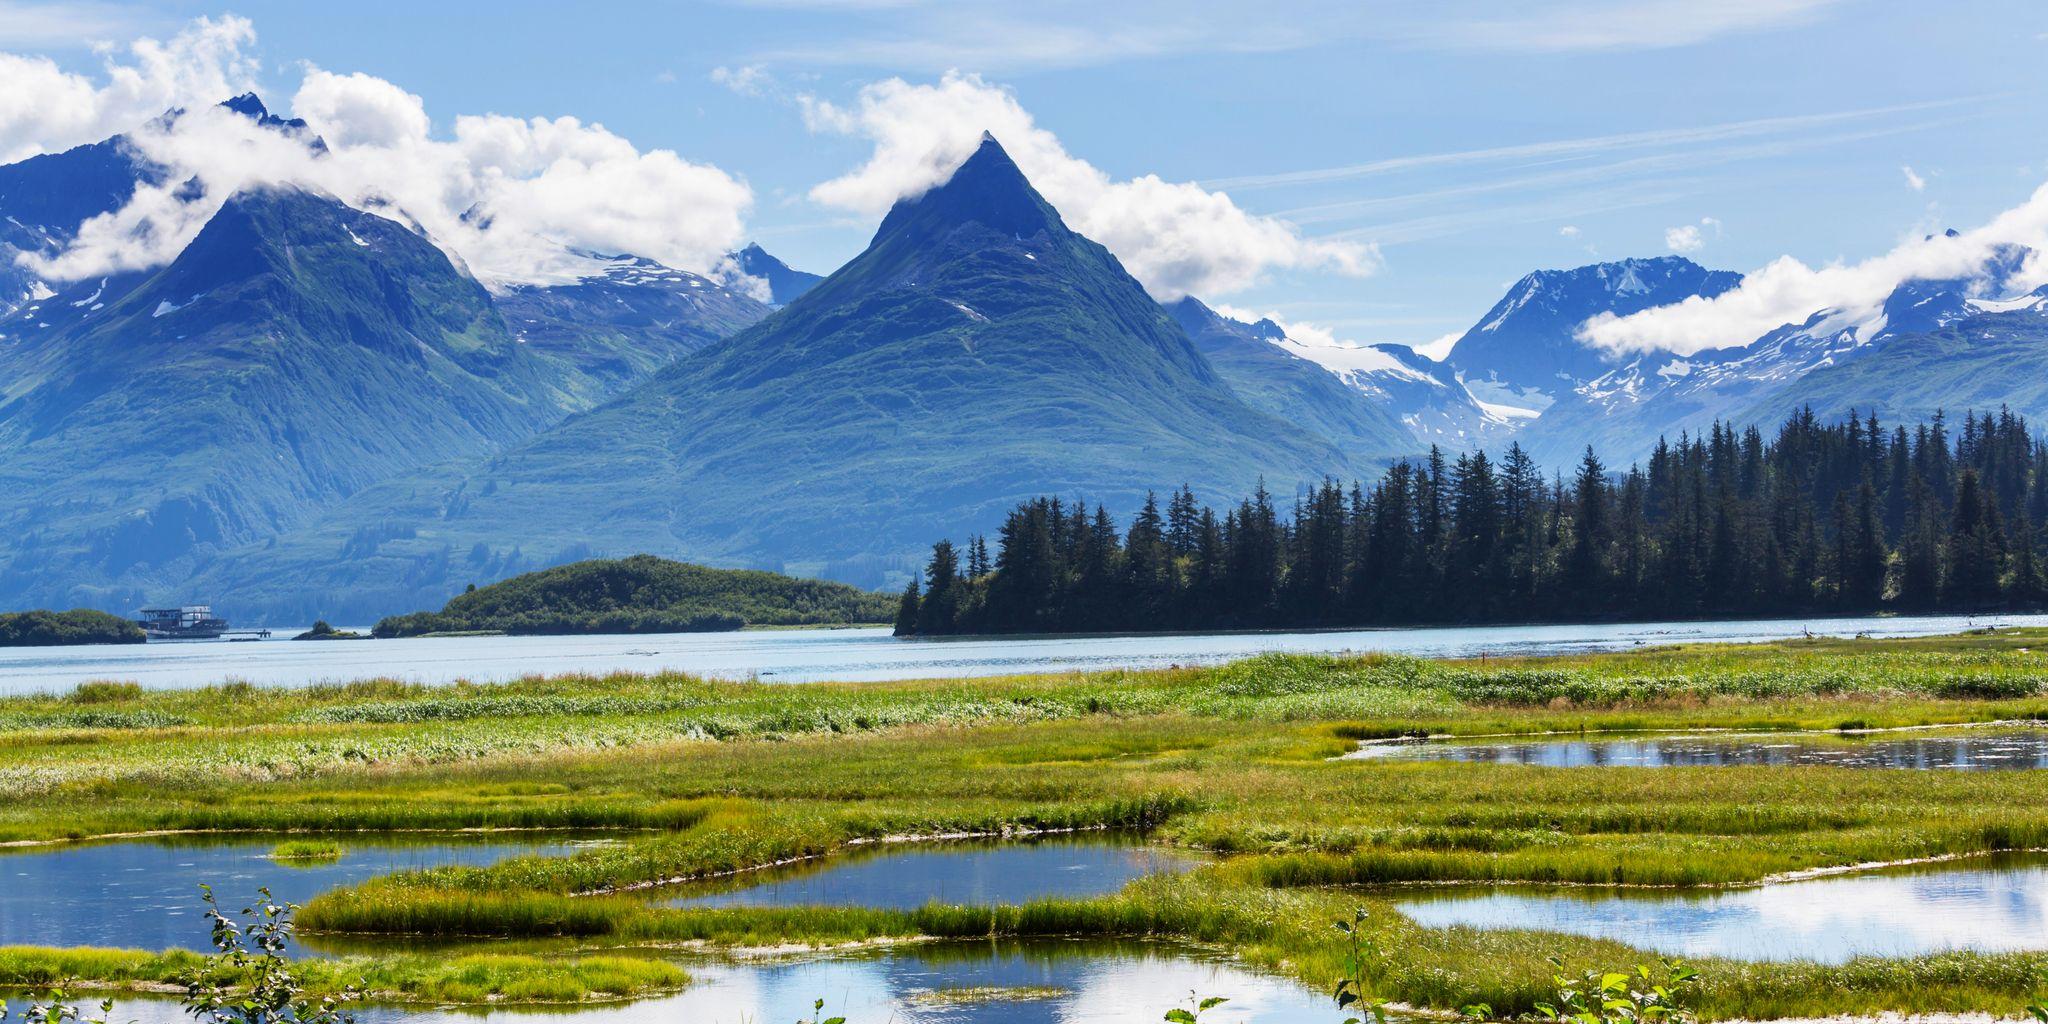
(643,594)
(1840,518)
(42,628)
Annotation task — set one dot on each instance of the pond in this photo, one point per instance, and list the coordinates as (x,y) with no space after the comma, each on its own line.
(146,894)
(808,655)
(1000,983)
(1987,904)
(1978,749)
(904,877)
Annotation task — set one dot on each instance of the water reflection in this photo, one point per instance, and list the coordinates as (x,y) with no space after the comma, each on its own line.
(146,894)
(1986,904)
(966,872)
(1007,983)
(1959,750)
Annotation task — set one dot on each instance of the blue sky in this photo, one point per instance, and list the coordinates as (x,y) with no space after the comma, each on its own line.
(1468,142)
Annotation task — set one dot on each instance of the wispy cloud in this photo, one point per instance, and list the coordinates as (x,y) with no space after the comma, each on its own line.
(67,24)
(1564,149)
(1613,24)
(995,36)
(1913,180)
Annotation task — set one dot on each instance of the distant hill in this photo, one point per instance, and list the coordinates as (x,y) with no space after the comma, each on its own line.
(63,629)
(644,594)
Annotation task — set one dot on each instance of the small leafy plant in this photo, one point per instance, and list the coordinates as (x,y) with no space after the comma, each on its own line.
(1355,991)
(1197,1006)
(1614,997)
(818,1015)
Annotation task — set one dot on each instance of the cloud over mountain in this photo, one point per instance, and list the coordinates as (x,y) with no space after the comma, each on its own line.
(1787,291)
(1177,238)
(514,199)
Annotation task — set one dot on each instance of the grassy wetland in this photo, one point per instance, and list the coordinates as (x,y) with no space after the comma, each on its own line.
(706,778)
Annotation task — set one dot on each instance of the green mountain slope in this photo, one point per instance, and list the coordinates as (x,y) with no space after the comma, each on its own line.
(1980,363)
(978,353)
(296,352)
(644,594)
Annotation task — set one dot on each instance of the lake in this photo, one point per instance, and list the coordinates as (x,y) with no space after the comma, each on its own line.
(145,894)
(1041,982)
(853,655)
(1966,750)
(1988,904)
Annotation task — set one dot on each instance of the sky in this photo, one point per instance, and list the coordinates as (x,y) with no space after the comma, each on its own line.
(1380,170)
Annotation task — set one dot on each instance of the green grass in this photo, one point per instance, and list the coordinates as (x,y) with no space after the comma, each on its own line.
(402,978)
(307,852)
(1236,760)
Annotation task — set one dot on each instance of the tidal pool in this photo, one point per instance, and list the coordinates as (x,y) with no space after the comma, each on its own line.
(146,894)
(1987,904)
(1982,749)
(1004,983)
(904,877)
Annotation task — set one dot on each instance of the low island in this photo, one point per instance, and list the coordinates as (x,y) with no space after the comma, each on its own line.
(643,594)
(44,628)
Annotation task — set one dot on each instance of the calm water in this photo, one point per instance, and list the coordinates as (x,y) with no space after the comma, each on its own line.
(809,655)
(146,894)
(1076,983)
(1989,904)
(1991,749)
(904,878)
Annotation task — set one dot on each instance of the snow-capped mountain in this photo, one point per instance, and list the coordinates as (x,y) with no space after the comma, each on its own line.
(1525,353)
(1622,411)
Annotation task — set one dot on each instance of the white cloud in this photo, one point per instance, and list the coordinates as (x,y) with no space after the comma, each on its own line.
(1688,238)
(1914,181)
(747,80)
(47,108)
(1569,231)
(1177,238)
(1788,291)
(513,199)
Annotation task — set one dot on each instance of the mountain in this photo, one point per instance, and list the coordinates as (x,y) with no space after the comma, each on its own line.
(1257,362)
(294,353)
(978,352)
(1622,412)
(44,198)
(1994,355)
(784,283)
(1525,352)
(620,325)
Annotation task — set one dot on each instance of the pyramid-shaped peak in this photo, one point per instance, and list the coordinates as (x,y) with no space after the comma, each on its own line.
(247,104)
(987,189)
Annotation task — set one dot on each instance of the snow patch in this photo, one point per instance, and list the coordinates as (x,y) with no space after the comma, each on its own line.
(167,306)
(94,297)
(971,314)
(353,237)
(1675,369)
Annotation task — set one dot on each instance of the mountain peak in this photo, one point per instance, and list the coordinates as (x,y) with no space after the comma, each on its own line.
(988,189)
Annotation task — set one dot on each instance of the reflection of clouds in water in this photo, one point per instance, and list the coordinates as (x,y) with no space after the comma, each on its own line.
(1144,990)
(1830,919)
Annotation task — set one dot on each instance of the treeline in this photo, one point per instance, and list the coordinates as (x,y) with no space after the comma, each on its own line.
(1846,517)
(642,594)
(60,629)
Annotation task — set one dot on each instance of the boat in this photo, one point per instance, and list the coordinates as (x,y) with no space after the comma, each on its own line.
(190,622)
